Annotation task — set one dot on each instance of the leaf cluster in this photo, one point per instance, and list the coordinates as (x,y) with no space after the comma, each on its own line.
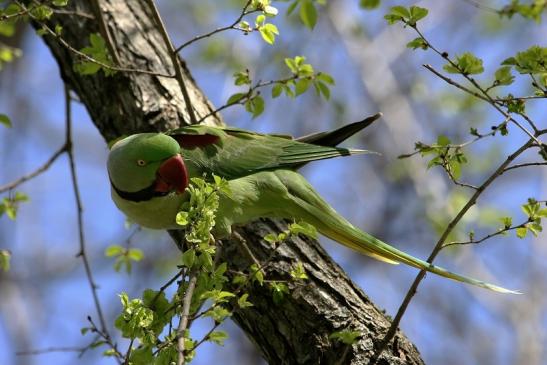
(10,204)
(98,51)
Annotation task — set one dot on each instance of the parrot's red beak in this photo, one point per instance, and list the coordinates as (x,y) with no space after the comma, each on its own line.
(172,175)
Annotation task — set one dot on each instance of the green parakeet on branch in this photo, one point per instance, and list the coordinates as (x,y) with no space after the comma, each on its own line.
(149,173)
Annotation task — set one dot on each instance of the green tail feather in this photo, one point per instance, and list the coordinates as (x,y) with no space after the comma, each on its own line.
(310,207)
(367,244)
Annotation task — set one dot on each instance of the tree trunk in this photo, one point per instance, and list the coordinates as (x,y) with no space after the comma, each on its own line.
(294,331)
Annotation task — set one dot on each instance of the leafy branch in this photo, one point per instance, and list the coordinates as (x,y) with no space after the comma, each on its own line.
(244,12)
(465,65)
(302,78)
(104,64)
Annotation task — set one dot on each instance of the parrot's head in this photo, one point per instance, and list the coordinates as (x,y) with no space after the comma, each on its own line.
(147,163)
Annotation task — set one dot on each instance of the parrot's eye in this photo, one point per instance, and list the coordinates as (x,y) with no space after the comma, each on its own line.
(141,162)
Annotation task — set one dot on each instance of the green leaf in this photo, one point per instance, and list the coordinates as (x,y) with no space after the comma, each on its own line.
(217,296)
(303,228)
(5,258)
(255,106)
(268,32)
(531,61)
(301,86)
(369,4)
(291,7)
(270,11)
(503,76)
(4,120)
(182,217)
(99,53)
(392,19)
(143,356)
(110,352)
(271,238)
(60,3)
(418,43)
(417,13)
(276,90)
(135,319)
(242,301)
(41,12)
(235,98)
(531,208)
(521,232)
(259,22)
(218,313)
(189,257)
(113,250)
(218,337)
(20,197)
(278,291)
(443,140)
(400,11)
(242,78)
(257,274)
(291,64)
(467,64)
(308,13)
(325,77)
(322,89)
(58,29)
(507,222)
(298,272)
(346,336)
(535,227)
(135,254)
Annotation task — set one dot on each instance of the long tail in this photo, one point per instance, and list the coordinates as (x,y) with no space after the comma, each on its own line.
(337,136)
(310,207)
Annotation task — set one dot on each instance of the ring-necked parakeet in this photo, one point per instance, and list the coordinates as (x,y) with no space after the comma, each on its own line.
(149,173)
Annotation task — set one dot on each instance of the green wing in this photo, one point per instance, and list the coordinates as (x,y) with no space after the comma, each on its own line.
(233,153)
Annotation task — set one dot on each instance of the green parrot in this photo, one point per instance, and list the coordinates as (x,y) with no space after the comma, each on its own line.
(149,173)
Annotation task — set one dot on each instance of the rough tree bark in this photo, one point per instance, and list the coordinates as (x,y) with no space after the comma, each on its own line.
(295,331)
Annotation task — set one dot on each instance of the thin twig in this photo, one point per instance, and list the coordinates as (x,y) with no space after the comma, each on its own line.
(79,209)
(105,32)
(454,83)
(438,247)
(529,97)
(107,339)
(48,350)
(167,285)
(14,15)
(488,236)
(244,12)
(527,164)
(478,5)
(456,181)
(128,353)
(248,95)
(74,13)
(38,171)
(455,146)
(175,60)
(183,323)
(206,337)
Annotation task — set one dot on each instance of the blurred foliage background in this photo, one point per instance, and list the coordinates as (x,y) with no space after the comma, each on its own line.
(45,299)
